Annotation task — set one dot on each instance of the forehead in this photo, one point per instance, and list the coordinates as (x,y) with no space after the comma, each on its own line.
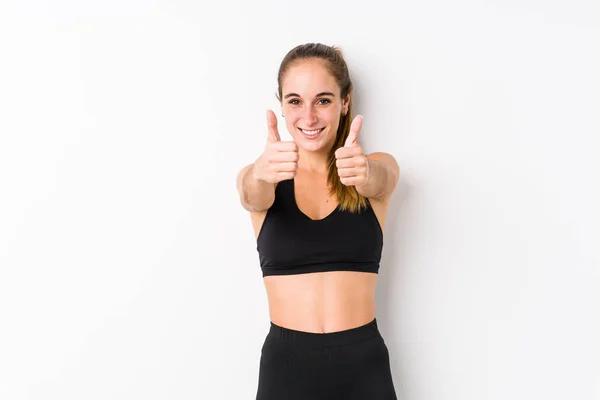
(307,78)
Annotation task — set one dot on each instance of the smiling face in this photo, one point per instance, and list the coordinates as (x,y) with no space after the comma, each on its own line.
(312,105)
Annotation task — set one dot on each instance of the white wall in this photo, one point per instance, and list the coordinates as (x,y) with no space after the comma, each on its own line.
(129,270)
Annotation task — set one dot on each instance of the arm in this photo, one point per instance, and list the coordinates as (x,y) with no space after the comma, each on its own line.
(279,161)
(382,177)
(255,194)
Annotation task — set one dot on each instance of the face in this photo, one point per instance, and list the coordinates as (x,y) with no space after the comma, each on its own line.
(312,105)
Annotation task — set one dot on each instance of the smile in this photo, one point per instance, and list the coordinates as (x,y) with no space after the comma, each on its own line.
(313,132)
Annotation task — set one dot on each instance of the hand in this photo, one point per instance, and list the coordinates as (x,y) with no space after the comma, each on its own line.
(351,162)
(279,160)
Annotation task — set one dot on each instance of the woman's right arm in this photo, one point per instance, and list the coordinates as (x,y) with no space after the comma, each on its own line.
(279,161)
(255,194)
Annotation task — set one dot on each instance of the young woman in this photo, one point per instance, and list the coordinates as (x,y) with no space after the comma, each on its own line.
(318,207)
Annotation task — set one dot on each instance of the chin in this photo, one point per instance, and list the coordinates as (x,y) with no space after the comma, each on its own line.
(311,147)
(315,147)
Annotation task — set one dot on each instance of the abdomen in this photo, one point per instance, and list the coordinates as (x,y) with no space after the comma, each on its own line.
(323,301)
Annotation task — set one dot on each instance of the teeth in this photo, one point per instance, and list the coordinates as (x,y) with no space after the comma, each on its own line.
(312,132)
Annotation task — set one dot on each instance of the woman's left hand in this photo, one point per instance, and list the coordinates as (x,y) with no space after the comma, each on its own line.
(351,161)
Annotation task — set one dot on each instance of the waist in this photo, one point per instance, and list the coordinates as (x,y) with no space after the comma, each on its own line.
(328,339)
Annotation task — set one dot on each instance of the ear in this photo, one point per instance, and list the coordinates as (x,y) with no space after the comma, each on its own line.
(346,103)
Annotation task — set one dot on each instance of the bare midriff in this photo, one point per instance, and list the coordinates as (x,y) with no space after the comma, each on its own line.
(322,302)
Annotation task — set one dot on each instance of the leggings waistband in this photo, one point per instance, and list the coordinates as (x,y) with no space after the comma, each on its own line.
(338,338)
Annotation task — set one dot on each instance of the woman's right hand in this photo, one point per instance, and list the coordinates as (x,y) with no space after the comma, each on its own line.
(279,160)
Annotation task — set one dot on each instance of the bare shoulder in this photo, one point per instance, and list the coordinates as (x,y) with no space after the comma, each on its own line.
(240,177)
(393,173)
(257,217)
(380,204)
(387,159)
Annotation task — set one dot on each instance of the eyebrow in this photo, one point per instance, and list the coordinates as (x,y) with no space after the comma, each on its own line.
(318,95)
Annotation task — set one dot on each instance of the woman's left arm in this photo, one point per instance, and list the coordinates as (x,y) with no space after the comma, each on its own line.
(374,175)
(383,173)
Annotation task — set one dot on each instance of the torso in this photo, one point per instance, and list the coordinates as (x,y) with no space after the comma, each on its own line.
(321,301)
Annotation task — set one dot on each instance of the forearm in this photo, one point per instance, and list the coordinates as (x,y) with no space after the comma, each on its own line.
(256,194)
(380,180)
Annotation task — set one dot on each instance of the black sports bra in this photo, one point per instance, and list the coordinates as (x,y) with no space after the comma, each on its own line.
(290,242)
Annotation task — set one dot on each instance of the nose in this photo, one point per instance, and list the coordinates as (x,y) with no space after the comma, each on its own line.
(310,116)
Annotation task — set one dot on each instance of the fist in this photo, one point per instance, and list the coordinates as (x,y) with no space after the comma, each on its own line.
(351,162)
(279,160)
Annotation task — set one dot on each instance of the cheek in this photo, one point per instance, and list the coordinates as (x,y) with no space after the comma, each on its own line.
(290,124)
(332,114)
(291,114)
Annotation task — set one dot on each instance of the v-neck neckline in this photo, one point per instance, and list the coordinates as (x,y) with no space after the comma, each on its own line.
(334,211)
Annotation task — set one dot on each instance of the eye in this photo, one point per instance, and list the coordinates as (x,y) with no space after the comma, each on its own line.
(324,101)
(293,101)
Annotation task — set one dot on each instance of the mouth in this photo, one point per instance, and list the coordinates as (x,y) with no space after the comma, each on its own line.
(311,133)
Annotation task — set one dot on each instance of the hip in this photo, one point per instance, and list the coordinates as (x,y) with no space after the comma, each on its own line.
(349,364)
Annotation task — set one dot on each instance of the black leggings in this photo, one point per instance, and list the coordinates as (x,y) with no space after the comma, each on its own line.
(353,364)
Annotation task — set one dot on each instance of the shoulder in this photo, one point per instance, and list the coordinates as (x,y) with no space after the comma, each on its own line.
(392,168)
(387,159)
(240,177)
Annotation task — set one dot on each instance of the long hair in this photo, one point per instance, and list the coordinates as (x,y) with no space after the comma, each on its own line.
(347,196)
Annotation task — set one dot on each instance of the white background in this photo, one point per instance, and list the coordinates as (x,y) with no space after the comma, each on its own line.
(128,268)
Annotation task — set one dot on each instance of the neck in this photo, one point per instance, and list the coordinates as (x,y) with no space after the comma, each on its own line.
(312,162)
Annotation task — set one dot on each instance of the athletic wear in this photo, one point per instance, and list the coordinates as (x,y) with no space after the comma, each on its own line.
(352,364)
(347,365)
(291,243)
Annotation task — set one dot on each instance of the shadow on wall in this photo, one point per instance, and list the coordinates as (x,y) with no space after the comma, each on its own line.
(392,269)
(390,274)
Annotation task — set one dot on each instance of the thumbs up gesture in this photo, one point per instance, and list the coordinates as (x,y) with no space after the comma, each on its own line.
(279,160)
(351,161)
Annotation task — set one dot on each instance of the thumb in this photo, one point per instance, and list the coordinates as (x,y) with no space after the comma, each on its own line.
(273,135)
(354,131)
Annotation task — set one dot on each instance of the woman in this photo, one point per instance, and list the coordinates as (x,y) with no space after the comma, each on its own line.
(318,207)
